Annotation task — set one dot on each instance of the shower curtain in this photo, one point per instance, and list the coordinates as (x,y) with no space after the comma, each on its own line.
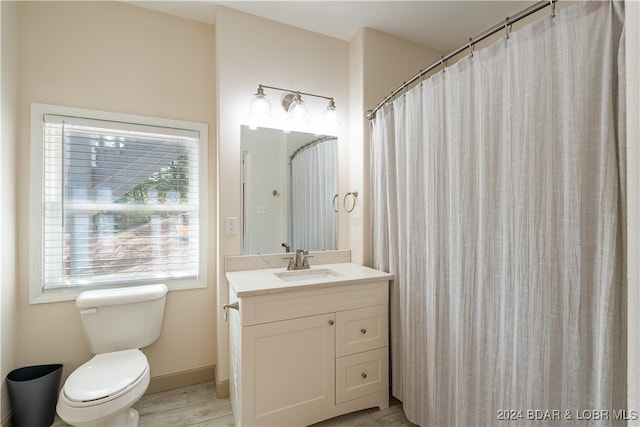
(497,203)
(314,184)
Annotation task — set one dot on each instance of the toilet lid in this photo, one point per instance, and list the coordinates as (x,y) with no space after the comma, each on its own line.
(105,375)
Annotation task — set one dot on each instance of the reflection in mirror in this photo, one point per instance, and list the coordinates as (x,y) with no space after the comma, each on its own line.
(289,191)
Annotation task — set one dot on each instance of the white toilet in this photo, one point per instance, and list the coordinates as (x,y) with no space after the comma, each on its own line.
(116,323)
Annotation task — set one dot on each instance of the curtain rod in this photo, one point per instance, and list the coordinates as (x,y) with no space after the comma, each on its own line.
(309,144)
(504,25)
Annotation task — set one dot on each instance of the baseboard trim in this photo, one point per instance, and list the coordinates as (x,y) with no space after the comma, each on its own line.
(180,379)
(222,387)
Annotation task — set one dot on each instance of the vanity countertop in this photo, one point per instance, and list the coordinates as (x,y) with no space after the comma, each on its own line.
(259,282)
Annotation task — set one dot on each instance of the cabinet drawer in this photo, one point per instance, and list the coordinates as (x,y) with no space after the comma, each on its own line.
(361,330)
(362,374)
(290,305)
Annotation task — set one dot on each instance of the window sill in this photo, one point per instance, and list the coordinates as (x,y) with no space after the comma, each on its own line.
(70,294)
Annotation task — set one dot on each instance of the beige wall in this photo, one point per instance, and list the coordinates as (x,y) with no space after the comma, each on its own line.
(115,57)
(8,120)
(378,63)
(252,50)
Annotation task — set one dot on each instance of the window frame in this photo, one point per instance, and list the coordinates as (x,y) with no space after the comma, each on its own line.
(37,293)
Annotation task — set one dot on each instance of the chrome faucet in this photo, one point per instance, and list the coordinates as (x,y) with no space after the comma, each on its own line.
(286,247)
(301,261)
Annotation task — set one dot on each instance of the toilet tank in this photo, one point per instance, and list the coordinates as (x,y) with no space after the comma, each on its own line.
(122,318)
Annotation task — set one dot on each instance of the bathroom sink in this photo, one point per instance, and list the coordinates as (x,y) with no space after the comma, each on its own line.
(312,274)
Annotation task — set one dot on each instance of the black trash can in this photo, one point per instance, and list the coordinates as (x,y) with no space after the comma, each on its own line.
(33,393)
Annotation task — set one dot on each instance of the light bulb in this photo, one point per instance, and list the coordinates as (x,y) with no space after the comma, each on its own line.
(298,110)
(260,107)
(330,116)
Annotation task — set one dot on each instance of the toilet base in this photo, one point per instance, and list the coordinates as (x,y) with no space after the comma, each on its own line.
(127,418)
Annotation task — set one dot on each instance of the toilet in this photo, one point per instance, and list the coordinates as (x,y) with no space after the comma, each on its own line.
(116,324)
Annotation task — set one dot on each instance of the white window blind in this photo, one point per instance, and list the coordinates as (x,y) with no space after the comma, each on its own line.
(120,202)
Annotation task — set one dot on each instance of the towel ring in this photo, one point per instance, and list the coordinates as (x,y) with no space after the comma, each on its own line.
(354,196)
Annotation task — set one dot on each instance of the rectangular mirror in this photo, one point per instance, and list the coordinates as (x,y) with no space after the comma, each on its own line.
(289,191)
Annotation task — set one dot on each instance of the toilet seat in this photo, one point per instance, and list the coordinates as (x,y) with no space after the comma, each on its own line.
(105,377)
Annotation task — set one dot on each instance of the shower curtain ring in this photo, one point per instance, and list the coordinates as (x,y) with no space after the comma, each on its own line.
(443,63)
(471,46)
(507,27)
(553,8)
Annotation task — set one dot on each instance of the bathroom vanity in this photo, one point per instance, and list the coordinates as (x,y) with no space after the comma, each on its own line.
(307,345)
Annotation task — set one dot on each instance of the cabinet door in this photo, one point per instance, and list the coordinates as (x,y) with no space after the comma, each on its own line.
(288,369)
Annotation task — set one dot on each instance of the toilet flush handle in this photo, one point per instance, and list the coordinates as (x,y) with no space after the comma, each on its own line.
(89,311)
(235,306)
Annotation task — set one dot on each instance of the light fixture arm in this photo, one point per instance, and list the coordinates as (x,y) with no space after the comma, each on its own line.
(261,86)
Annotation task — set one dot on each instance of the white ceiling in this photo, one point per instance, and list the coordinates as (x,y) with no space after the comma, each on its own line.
(443,25)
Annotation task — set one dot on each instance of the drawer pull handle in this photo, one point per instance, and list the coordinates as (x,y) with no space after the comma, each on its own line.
(331,322)
(363,330)
(363,375)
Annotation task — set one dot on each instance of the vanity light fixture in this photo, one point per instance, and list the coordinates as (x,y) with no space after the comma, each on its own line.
(295,106)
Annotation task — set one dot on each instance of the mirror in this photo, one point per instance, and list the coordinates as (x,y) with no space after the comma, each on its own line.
(289,191)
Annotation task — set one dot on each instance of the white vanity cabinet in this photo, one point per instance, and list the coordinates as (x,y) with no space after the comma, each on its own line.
(308,353)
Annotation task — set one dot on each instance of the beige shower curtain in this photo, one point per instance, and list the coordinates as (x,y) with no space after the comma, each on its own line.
(497,200)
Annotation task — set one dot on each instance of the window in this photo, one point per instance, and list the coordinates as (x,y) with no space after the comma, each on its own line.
(116,200)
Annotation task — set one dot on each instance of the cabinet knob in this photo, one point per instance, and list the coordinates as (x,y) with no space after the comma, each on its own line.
(331,322)
(363,375)
(363,330)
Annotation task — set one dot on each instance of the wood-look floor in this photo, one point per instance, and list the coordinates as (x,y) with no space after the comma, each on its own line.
(197,405)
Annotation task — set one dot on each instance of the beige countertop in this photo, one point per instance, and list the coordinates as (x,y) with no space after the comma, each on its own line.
(259,282)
